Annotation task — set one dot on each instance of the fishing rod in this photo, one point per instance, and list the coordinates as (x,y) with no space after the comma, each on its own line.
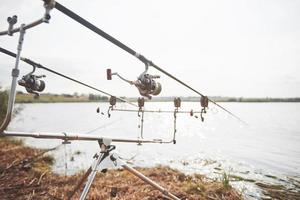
(37,85)
(142,58)
(37,65)
(76,136)
(33,84)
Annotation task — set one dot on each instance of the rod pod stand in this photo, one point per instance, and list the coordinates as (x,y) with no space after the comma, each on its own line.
(105,160)
(15,73)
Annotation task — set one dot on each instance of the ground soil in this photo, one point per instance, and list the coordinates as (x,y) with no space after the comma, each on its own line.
(25,173)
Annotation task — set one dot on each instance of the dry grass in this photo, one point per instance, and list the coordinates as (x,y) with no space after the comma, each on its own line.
(25,174)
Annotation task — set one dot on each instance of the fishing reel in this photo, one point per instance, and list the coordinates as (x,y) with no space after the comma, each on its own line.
(147,86)
(145,83)
(32,83)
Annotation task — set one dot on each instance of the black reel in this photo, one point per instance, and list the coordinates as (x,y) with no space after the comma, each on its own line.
(147,86)
(33,83)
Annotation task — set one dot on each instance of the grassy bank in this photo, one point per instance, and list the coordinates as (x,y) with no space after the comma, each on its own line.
(49,98)
(25,173)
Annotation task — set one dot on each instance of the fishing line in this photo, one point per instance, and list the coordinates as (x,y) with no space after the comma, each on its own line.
(143,59)
(37,65)
(104,125)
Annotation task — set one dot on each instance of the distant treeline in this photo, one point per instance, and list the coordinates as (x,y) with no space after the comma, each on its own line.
(54,98)
(93,97)
(229,99)
(297,99)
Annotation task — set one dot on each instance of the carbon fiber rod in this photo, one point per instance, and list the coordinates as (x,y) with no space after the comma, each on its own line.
(78,136)
(113,40)
(30,62)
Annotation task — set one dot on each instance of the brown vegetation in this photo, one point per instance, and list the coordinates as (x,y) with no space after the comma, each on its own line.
(25,174)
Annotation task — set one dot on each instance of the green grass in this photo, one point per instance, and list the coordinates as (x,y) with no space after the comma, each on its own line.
(3,105)
(225,181)
(49,98)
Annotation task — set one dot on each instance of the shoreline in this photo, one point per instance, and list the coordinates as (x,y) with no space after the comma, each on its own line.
(25,173)
(67,98)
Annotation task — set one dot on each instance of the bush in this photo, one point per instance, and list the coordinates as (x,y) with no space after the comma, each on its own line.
(3,105)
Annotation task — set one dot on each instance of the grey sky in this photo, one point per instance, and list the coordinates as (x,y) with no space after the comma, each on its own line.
(227,48)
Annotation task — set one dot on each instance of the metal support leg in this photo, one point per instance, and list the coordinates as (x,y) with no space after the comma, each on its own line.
(91,176)
(85,176)
(150,182)
(15,74)
(108,160)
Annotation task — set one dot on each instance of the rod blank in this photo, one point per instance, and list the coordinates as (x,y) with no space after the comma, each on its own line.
(77,136)
(116,42)
(37,65)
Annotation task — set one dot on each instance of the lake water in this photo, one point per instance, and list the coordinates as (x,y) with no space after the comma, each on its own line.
(266,150)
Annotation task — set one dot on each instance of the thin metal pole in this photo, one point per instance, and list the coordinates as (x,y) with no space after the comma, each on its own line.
(37,65)
(75,136)
(114,158)
(175,130)
(14,74)
(142,58)
(85,176)
(91,177)
(142,125)
(153,111)
(25,27)
(150,182)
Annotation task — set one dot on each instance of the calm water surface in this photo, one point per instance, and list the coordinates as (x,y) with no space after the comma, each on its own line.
(266,150)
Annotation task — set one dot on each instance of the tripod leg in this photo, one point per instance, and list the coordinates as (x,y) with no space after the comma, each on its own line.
(91,177)
(87,173)
(150,182)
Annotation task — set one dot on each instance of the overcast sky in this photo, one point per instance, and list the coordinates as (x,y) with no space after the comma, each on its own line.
(222,48)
